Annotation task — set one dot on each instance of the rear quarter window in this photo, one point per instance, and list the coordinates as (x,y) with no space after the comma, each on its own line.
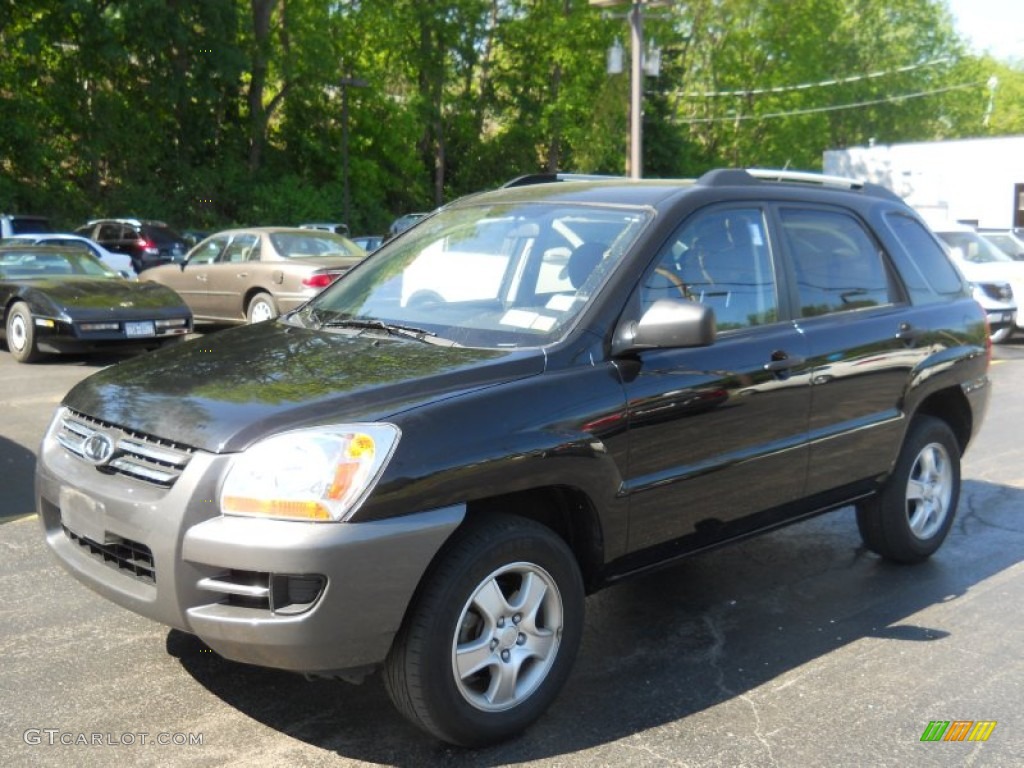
(924,266)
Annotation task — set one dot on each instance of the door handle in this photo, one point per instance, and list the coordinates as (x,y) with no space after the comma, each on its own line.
(782,362)
(907,332)
(201,278)
(242,275)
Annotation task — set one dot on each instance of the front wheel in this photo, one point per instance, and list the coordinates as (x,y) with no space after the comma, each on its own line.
(21,333)
(491,637)
(261,308)
(909,519)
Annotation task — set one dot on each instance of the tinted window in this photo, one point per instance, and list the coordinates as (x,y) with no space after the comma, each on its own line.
(162,235)
(110,232)
(720,259)
(926,265)
(29,225)
(837,264)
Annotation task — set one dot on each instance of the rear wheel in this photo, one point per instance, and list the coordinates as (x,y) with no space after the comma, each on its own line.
(261,308)
(492,635)
(21,333)
(910,517)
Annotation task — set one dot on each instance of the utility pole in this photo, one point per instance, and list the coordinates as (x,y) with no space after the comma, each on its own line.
(635,16)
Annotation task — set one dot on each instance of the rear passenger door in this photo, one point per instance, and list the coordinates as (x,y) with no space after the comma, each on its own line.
(231,275)
(718,434)
(861,343)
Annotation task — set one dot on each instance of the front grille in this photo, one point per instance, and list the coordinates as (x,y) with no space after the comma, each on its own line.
(124,555)
(135,455)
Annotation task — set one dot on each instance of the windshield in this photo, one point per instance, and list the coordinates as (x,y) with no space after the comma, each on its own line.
(26,265)
(972,247)
(486,276)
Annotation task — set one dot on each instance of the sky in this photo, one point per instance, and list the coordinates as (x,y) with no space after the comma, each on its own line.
(993,25)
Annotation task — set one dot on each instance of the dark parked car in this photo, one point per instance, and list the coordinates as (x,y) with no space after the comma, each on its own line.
(537,392)
(17,224)
(148,243)
(60,299)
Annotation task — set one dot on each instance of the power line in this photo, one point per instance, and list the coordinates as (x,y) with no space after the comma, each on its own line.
(835,108)
(819,84)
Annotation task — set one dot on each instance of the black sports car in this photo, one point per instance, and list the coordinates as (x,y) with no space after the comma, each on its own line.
(66,300)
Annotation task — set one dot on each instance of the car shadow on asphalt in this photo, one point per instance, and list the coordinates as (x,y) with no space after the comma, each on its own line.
(669,644)
(17,476)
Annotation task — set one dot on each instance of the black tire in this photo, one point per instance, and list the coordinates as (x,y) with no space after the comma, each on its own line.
(471,610)
(261,307)
(909,519)
(21,333)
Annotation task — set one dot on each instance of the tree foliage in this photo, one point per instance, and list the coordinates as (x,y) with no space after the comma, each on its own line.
(215,112)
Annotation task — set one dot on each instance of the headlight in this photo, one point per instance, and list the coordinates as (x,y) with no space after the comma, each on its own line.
(319,474)
(995,291)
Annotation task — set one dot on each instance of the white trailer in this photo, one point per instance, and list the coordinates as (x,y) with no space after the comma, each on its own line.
(974,181)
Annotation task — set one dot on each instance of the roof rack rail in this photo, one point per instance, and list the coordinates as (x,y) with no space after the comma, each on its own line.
(548,178)
(728,177)
(805,177)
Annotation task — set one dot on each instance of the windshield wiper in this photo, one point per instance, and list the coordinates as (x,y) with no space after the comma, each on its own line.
(405,331)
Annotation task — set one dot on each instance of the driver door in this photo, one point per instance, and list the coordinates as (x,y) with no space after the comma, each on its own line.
(718,434)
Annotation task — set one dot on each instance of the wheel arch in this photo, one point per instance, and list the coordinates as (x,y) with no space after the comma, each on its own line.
(566,510)
(254,291)
(951,406)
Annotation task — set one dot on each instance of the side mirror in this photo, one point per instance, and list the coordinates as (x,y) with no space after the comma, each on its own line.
(668,323)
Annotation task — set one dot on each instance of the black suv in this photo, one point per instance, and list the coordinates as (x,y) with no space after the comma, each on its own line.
(148,243)
(536,392)
(15,224)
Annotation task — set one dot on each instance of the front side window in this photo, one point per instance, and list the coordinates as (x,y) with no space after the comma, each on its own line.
(207,251)
(720,259)
(838,266)
(487,276)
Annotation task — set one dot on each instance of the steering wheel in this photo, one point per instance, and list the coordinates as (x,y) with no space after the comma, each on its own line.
(673,278)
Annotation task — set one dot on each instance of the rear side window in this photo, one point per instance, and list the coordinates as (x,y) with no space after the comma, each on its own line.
(110,232)
(925,267)
(838,266)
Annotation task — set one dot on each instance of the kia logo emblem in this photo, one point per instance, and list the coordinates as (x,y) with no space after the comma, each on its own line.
(98,448)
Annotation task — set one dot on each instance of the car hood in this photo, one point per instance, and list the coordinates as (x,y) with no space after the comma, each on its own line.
(222,392)
(86,298)
(1000,271)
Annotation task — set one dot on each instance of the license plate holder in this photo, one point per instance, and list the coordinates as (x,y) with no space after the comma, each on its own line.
(83,515)
(140,328)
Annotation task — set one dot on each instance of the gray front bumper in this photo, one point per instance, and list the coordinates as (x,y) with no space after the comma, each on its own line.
(195,562)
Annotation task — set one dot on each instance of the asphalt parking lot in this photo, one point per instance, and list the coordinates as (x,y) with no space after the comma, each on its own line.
(793,649)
